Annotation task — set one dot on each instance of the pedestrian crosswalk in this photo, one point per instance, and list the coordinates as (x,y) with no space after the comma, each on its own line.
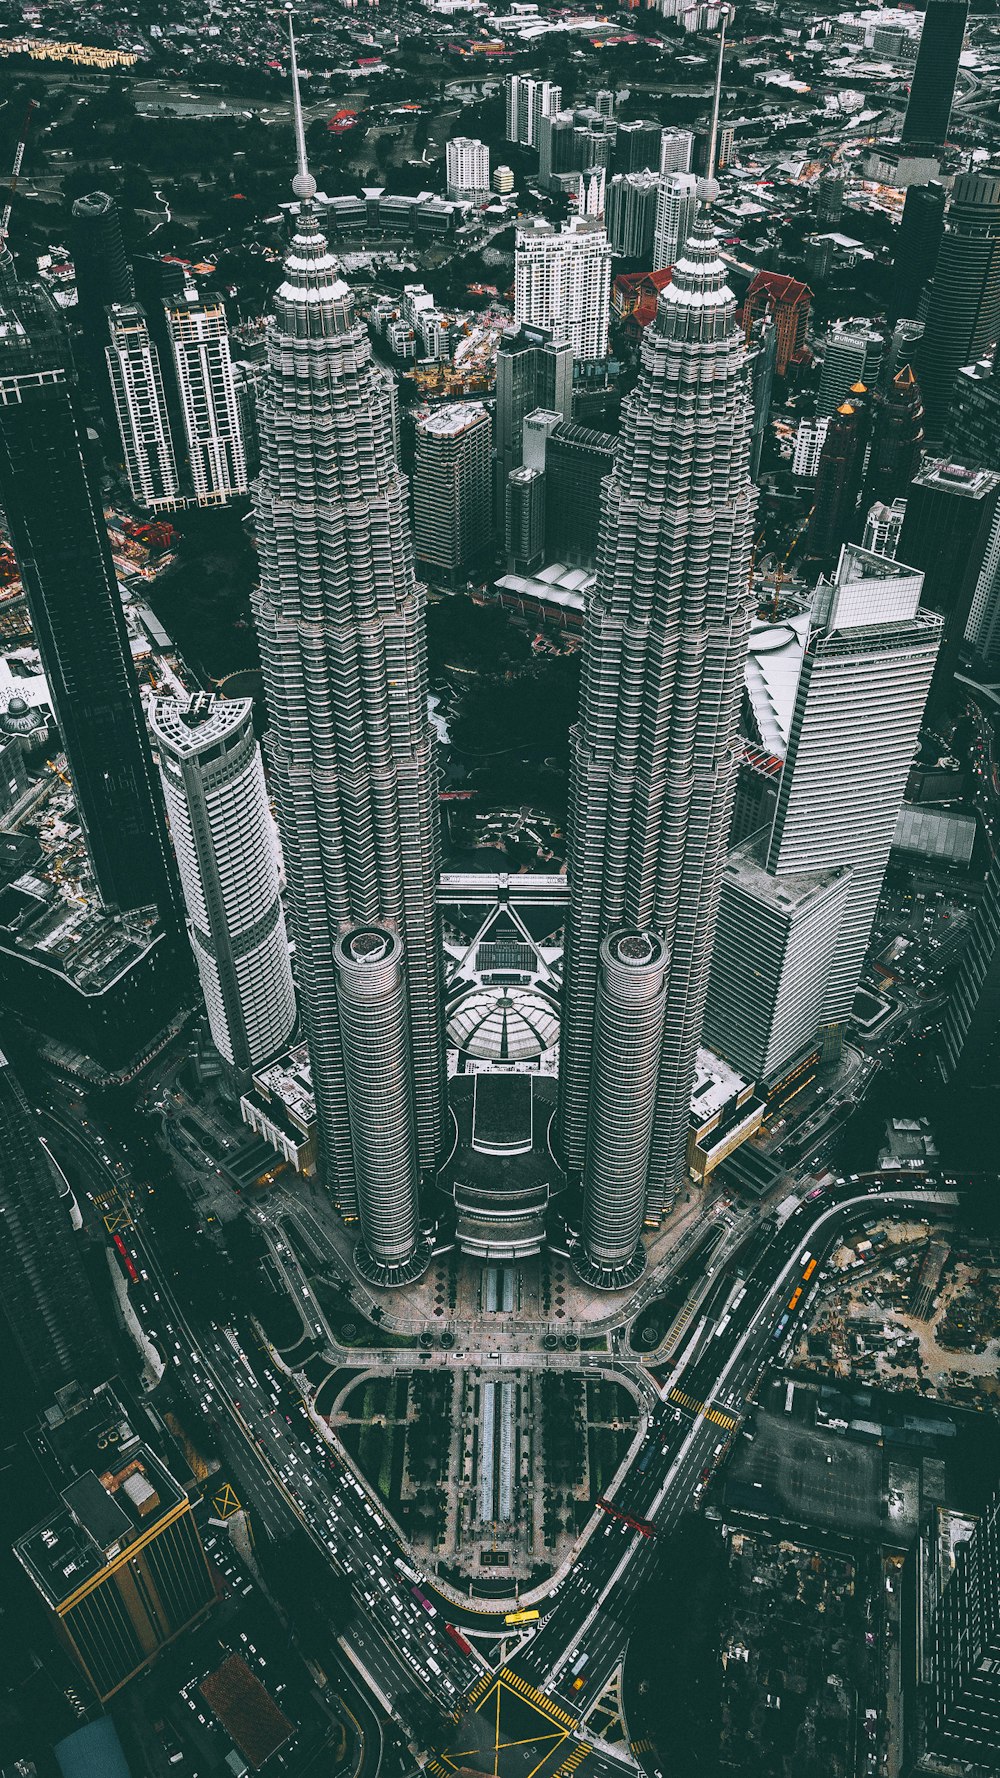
(575,1759)
(525,1689)
(644,1745)
(718,1416)
(482,1685)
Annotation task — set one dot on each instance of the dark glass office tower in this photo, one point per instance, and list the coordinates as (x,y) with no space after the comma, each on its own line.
(897,440)
(61,544)
(103,273)
(46,1307)
(932,88)
(838,481)
(963,316)
(920,229)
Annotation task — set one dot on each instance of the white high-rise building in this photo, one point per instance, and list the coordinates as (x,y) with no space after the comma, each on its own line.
(467,166)
(451,488)
(199,341)
(593,181)
(676,207)
(653,757)
(798,902)
(227,856)
(562,281)
(141,409)
(883,526)
(676,151)
(810,437)
(528,101)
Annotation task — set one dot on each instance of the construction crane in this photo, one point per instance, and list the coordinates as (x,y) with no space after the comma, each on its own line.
(15,172)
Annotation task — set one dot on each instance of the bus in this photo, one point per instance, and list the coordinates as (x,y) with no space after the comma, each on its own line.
(422,1599)
(521,1617)
(810,1269)
(126,1258)
(456,1636)
(795,1299)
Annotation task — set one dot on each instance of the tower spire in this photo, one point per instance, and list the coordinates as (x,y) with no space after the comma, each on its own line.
(708,188)
(303,185)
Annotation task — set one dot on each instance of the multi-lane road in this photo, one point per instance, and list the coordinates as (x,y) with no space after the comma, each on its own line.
(294,1473)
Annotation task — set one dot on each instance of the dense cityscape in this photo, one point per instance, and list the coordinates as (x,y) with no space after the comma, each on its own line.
(499,889)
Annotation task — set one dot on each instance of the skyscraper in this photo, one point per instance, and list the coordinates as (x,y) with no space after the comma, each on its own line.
(213,785)
(524,519)
(451,489)
(858,708)
(970,1028)
(577,459)
(637,147)
(852,356)
(199,341)
(946,528)
(534,369)
(103,273)
(932,88)
(953,1718)
(49,1315)
(830,189)
(141,409)
(882,528)
(788,302)
(676,150)
(963,316)
(676,204)
(118,1564)
(897,439)
(61,544)
(838,477)
(920,229)
(653,752)
(972,434)
(339,615)
(630,214)
(528,101)
(467,163)
(562,280)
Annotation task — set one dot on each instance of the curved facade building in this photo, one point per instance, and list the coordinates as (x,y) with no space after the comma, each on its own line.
(654,750)
(216,797)
(340,620)
(628,1037)
(374,1025)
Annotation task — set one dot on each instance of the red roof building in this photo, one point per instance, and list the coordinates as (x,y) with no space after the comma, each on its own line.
(634,297)
(788,302)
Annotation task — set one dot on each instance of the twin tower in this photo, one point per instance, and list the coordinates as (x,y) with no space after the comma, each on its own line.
(339,615)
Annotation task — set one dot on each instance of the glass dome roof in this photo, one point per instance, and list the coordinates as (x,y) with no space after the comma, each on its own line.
(503,1024)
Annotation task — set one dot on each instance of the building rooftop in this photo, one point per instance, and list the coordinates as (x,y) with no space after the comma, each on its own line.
(246,1711)
(189,725)
(288,1083)
(945,835)
(113,1488)
(954,478)
(787,895)
(771,676)
(715,1084)
(453,419)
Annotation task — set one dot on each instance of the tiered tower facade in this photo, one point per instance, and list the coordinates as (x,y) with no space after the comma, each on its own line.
(340,618)
(653,752)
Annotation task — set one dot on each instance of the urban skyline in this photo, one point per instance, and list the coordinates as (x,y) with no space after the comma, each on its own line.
(499,935)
